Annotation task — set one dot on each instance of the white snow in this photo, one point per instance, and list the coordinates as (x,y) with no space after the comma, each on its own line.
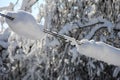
(25,25)
(98,50)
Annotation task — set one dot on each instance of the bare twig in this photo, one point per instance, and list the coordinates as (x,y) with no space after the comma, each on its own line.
(54,34)
(6,16)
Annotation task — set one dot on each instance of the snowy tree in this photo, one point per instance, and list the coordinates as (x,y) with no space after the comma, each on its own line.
(59,57)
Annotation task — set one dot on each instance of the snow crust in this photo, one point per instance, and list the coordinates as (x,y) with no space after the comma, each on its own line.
(25,25)
(98,50)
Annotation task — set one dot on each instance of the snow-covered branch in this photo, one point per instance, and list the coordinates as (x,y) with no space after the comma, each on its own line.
(27,4)
(98,50)
(97,22)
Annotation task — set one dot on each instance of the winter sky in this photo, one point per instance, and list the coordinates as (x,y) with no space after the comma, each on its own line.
(34,8)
